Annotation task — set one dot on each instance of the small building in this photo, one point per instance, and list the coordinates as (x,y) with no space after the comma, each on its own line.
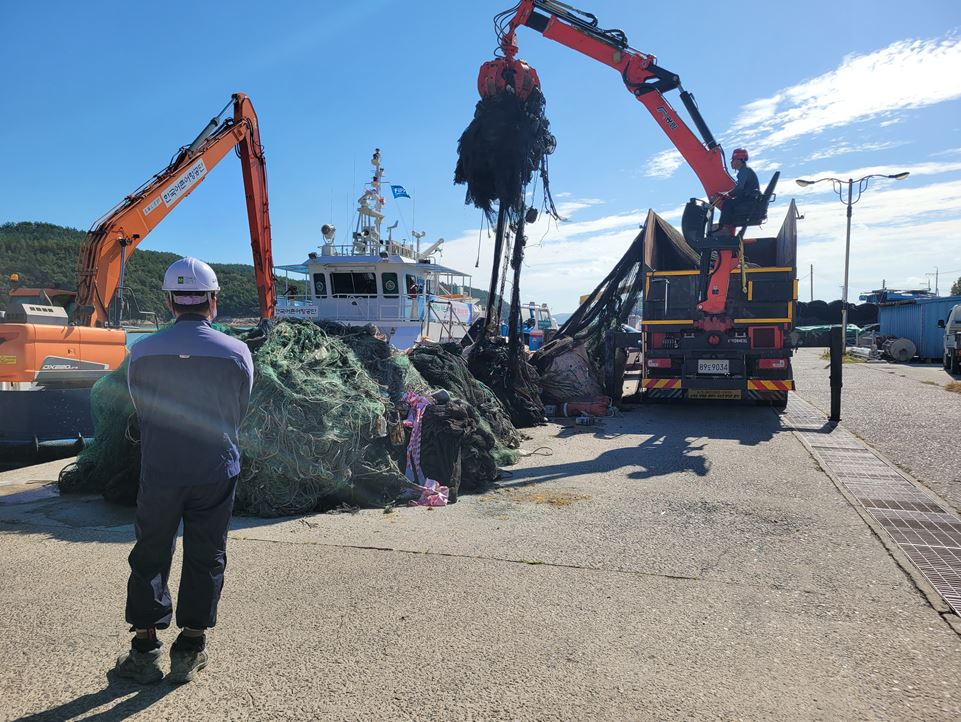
(917,319)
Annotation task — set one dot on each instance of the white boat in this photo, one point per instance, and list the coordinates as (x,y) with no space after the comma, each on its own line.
(394,285)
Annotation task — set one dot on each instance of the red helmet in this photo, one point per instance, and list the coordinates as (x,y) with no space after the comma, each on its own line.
(739,154)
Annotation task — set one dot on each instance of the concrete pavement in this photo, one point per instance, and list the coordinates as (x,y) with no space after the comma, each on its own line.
(675,563)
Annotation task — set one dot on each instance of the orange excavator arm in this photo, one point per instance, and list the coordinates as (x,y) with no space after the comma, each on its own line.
(100,264)
(641,74)
(647,81)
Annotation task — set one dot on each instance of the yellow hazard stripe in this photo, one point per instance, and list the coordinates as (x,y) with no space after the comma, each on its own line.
(662,383)
(770,384)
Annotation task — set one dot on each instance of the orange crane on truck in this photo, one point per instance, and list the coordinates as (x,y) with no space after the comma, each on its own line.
(699,345)
(44,345)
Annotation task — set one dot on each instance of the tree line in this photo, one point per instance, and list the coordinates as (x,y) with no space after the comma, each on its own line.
(45,255)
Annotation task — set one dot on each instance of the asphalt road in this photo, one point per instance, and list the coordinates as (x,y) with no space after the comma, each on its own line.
(674,563)
(903,411)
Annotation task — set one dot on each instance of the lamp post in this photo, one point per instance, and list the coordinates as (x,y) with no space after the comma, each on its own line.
(838,186)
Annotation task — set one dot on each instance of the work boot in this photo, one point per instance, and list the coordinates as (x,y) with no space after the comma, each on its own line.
(186,659)
(142,667)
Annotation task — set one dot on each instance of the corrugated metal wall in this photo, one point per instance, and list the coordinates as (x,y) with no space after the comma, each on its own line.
(918,321)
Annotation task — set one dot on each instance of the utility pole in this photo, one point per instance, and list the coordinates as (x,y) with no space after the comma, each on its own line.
(935,274)
(812,283)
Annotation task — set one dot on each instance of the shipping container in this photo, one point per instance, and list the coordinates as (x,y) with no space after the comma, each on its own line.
(918,320)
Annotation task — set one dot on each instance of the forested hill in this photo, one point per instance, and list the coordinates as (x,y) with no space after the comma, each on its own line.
(45,255)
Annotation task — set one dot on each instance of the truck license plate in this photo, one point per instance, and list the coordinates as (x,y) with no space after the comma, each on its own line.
(713,366)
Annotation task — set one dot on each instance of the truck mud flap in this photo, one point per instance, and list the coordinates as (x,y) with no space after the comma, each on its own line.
(662,394)
(716,394)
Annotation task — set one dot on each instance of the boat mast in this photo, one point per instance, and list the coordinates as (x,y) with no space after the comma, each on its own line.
(370,211)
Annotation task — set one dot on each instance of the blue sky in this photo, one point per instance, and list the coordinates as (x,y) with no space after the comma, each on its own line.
(99,95)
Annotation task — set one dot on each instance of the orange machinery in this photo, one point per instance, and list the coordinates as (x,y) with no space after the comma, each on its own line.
(41,344)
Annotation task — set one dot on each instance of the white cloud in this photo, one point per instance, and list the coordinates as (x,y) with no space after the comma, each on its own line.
(898,234)
(567,208)
(915,169)
(844,148)
(562,260)
(905,75)
(900,231)
(664,164)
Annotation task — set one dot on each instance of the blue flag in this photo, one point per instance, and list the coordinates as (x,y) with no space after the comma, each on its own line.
(399,192)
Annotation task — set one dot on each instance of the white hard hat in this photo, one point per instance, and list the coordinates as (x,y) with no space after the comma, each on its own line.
(190,281)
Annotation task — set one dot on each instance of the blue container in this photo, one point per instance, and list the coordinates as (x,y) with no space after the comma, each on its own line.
(918,321)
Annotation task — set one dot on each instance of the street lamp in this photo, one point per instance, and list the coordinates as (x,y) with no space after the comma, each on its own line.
(838,186)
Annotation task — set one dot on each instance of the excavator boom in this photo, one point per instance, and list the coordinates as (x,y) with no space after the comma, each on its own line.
(104,251)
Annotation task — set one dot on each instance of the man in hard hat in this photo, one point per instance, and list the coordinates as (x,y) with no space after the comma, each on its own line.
(190,385)
(744,196)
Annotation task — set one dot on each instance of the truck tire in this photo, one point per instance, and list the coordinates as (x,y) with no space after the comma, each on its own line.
(946,362)
(955,364)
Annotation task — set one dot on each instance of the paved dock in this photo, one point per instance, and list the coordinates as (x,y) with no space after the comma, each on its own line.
(673,563)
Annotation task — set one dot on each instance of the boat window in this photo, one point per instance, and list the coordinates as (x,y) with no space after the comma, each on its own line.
(320,285)
(389,281)
(414,285)
(354,284)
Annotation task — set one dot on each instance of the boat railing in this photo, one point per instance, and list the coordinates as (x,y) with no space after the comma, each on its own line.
(369,248)
(368,307)
(442,321)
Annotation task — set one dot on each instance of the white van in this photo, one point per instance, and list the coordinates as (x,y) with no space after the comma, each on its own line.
(952,340)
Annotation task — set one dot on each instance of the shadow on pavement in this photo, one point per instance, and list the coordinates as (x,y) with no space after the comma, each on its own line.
(672,439)
(145,695)
(655,456)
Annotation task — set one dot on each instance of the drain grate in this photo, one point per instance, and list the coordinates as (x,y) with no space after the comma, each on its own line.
(929,535)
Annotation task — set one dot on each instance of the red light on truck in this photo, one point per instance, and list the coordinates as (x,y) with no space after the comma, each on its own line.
(659,363)
(772,363)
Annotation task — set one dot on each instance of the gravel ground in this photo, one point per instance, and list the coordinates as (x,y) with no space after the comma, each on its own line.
(903,411)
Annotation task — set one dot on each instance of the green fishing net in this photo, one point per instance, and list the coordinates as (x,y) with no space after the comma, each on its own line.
(323,427)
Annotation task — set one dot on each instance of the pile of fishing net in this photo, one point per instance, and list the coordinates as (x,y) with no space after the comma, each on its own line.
(512,378)
(324,427)
(582,362)
(496,439)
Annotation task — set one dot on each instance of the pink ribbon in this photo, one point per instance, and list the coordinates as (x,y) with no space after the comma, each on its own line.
(432,493)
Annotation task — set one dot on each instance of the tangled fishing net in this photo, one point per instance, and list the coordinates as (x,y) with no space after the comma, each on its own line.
(507,141)
(582,360)
(324,427)
(111,464)
(495,440)
(316,427)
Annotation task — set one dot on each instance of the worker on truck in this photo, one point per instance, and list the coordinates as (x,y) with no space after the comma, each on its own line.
(190,385)
(741,200)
